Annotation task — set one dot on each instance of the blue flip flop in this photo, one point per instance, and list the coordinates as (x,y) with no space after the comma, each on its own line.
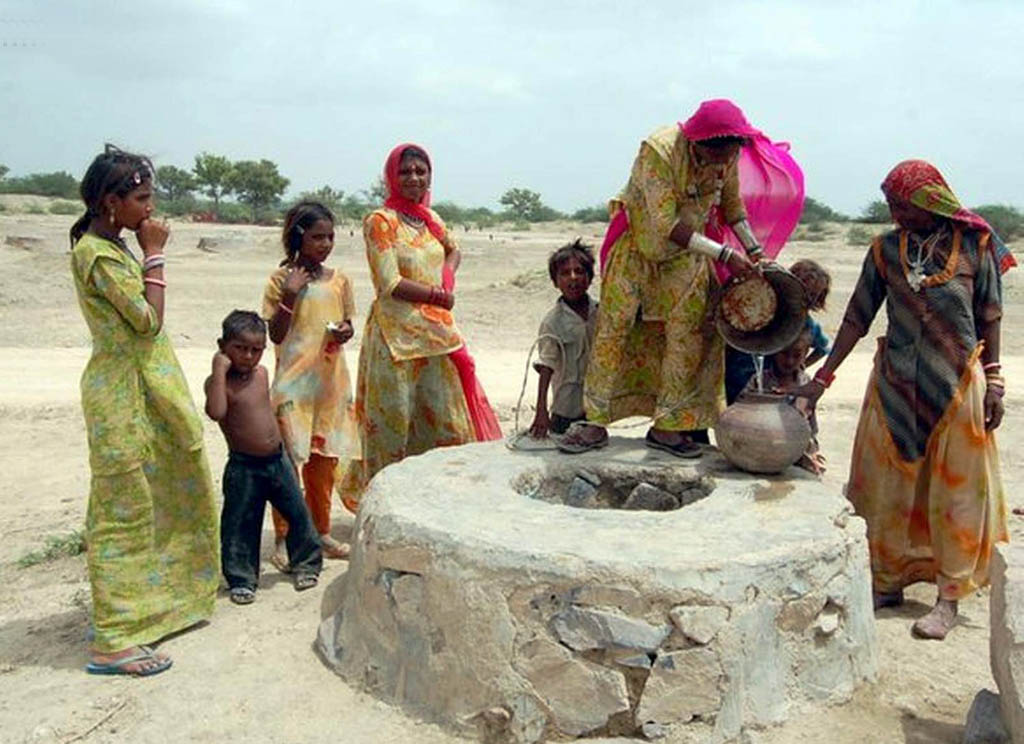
(118,667)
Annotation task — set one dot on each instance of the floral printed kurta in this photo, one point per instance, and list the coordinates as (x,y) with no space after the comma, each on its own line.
(311,393)
(409,398)
(655,351)
(151,526)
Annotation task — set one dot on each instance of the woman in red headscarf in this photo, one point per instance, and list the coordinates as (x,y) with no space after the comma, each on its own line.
(655,351)
(925,470)
(417,388)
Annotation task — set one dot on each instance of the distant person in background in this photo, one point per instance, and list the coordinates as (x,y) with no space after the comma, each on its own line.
(655,351)
(417,387)
(924,472)
(309,307)
(151,526)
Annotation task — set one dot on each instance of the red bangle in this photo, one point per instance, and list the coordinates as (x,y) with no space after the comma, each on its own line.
(154,280)
(824,378)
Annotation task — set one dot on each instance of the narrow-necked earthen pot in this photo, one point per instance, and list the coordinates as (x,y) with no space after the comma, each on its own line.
(762,433)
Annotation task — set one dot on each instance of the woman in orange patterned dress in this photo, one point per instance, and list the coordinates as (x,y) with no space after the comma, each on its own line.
(416,389)
(925,468)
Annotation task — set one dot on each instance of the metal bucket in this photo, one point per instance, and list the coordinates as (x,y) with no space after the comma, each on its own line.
(787,322)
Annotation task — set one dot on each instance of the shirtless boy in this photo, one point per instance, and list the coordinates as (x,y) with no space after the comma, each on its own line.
(257,471)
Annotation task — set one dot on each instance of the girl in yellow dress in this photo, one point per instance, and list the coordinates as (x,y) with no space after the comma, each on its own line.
(309,309)
(151,526)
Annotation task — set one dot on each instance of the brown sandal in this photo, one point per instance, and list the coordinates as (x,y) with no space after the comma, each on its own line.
(574,443)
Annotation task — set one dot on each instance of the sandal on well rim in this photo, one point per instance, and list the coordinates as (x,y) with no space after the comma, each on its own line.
(117,666)
(685,447)
(242,595)
(575,442)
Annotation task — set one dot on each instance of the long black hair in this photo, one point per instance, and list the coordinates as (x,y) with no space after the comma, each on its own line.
(297,220)
(113,171)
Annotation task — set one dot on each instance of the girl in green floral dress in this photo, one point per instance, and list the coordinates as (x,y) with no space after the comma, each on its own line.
(151,525)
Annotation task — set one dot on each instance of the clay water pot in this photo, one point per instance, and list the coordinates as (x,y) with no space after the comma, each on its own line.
(762,433)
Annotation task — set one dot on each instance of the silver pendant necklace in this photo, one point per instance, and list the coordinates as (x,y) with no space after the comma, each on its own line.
(915,266)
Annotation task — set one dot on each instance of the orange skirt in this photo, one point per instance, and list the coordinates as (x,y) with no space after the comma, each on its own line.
(934,519)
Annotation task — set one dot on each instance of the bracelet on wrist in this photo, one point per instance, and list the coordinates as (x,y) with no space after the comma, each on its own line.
(824,378)
(154,281)
(285,309)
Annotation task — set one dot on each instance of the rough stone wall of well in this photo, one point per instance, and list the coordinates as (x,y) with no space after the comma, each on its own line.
(453,642)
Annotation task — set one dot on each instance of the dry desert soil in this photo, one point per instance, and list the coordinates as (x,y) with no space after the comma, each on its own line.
(250,674)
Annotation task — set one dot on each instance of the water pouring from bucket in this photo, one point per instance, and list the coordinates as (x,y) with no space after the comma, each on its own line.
(762,313)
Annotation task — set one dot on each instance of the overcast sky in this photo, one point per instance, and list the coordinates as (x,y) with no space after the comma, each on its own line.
(552,95)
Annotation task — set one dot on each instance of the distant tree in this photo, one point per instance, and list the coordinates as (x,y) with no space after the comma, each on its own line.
(333,199)
(4,170)
(877,212)
(591,214)
(1007,221)
(353,208)
(522,204)
(58,183)
(377,194)
(257,184)
(816,211)
(213,175)
(174,183)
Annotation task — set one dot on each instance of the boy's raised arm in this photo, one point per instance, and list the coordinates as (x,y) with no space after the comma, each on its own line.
(216,387)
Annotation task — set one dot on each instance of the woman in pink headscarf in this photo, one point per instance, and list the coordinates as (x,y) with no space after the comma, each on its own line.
(680,223)
(417,387)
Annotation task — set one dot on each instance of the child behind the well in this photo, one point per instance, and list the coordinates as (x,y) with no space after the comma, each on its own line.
(257,470)
(564,339)
(739,365)
(783,373)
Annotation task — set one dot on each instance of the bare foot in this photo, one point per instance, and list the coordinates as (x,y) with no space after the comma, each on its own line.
(279,558)
(334,549)
(937,623)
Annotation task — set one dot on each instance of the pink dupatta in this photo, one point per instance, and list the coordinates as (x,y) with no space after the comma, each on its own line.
(485,423)
(771,183)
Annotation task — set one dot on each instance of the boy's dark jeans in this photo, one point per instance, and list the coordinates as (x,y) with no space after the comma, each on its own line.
(249,483)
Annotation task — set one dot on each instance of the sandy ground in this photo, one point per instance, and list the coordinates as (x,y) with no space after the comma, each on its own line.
(250,674)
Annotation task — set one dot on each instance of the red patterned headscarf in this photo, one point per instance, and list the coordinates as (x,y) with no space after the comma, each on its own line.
(399,203)
(920,183)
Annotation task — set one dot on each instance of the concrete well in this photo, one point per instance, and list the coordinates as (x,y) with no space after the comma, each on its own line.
(543,596)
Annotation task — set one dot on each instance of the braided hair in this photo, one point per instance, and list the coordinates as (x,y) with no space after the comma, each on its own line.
(113,171)
(297,220)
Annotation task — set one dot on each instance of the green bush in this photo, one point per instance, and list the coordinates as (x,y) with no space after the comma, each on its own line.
(178,207)
(858,235)
(58,183)
(66,207)
(816,211)
(591,214)
(876,213)
(520,226)
(1007,221)
(54,548)
(35,209)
